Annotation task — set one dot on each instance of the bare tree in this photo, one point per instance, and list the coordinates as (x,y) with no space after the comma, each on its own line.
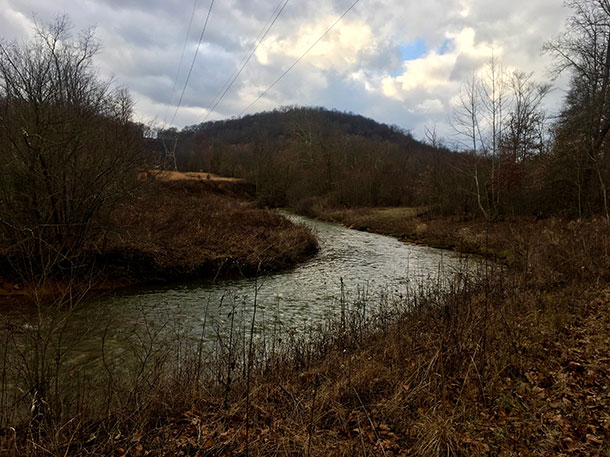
(494,100)
(466,121)
(466,118)
(524,132)
(500,119)
(68,150)
(584,51)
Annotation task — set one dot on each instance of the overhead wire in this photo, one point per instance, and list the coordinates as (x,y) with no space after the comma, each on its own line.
(247,57)
(188,32)
(295,63)
(188,76)
(249,51)
(172,154)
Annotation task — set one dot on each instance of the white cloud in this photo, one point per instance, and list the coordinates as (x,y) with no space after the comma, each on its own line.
(430,106)
(339,50)
(357,67)
(14,23)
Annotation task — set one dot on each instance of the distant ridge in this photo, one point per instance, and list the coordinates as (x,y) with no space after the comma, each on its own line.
(286,121)
(304,157)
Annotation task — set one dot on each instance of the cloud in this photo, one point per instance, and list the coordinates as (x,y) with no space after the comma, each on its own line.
(340,50)
(14,23)
(398,62)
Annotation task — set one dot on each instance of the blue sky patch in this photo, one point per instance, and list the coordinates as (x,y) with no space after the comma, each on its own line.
(413,50)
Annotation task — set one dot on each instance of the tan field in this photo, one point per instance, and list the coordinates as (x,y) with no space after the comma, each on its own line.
(168,175)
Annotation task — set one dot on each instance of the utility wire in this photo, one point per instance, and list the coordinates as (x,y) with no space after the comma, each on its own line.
(245,56)
(188,76)
(246,59)
(188,32)
(294,64)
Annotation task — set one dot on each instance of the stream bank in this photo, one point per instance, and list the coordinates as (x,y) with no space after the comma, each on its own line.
(175,228)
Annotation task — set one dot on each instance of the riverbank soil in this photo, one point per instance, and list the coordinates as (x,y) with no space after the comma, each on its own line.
(187,225)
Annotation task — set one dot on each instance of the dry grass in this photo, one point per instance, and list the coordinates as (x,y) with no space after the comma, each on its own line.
(392,221)
(192,228)
(169,175)
(513,364)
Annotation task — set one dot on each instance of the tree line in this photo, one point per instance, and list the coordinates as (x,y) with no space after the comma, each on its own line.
(511,157)
(297,156)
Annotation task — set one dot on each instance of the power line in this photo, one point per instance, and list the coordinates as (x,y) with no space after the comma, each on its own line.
(253,46)
(188,76)
(171,154)
(246,59)
(294,64)
(188,32)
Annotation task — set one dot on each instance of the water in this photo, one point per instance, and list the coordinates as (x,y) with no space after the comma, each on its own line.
(365,262)
(350,263)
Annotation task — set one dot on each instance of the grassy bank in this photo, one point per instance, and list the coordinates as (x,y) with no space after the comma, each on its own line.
(514,362)
(181,226)
(518,242)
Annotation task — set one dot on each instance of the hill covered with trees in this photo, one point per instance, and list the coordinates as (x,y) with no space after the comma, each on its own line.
(301,157)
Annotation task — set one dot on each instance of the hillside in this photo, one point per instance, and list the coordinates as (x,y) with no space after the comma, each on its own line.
(303,157)
(288,121)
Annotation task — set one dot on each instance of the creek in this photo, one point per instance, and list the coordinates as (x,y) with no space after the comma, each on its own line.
(350,267)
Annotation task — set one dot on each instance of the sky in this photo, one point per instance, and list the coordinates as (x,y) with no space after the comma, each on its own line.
(400,62)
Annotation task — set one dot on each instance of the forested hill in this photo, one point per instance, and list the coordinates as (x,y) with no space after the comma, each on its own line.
(308,156)
(285,122)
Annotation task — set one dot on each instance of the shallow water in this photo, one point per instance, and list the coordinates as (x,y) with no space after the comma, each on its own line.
(350,266)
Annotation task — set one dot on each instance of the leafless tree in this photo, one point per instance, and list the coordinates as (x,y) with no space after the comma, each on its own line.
(584,51)
(466,118)
(466,122)
(524,132)
(499,118)
(494,101)
(68,150)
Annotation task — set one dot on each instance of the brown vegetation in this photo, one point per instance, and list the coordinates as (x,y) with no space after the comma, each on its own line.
(185,229)
(199,228)
(170,175)
(513,363)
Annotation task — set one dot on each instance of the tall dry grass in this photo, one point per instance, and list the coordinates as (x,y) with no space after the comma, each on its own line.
(458,368)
